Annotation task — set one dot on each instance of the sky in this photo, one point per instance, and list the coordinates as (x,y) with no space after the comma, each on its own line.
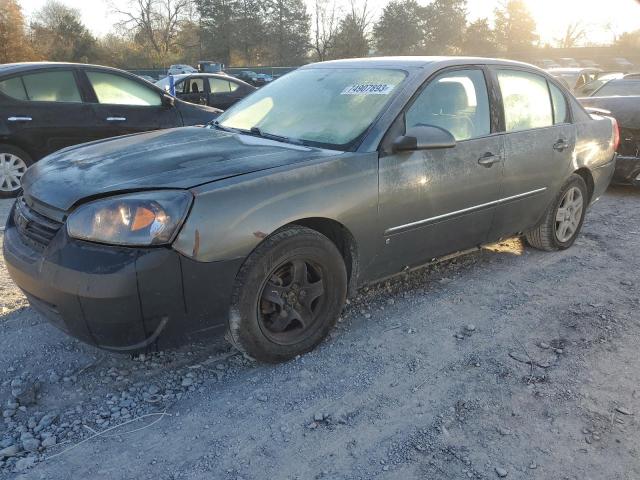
(552,16)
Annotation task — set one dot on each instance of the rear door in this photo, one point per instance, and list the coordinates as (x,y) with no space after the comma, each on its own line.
(434,202)
(44,111)
(124,105)
(223,93)
(539,144)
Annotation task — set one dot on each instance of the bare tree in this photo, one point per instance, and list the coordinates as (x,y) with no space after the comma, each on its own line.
(156,23)
(573,35)
(326,23)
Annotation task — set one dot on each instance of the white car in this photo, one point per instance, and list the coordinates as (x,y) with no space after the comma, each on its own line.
(180,69)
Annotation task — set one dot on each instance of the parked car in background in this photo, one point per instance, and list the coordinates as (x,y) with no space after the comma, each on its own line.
(621,99)
(218,91)
(334,176)
(591,87)
(569,62)
(575,78)
(181,69)
(205,66)
(622,65)
(48,106)
(588,63)
(547,63)
(253,78)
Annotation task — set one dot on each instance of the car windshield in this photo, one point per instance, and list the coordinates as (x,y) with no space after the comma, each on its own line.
(623,88)
(329,107)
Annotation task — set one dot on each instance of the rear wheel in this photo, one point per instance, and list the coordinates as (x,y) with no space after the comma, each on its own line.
(13,164)
(563,220)
(287,296)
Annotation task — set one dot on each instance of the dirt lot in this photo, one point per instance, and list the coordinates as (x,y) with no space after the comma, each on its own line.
(506,362)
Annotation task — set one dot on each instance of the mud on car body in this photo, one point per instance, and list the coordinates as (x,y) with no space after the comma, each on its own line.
(334,176)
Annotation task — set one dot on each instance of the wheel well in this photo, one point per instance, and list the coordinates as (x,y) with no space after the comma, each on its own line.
(342,239)
(588,179)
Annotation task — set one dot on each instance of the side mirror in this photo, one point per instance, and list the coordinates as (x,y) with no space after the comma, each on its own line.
(168,100)
(424,137)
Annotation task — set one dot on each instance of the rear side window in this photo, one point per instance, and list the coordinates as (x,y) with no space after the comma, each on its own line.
(57,86)
(13,88)
(456,101)
(560,110)
(221,86)
(116,90)
(526,100)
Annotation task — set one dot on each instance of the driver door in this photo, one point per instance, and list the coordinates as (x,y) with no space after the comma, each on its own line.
(438,201)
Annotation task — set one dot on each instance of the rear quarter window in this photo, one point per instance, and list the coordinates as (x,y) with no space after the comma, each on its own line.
(13,88)
(560,109)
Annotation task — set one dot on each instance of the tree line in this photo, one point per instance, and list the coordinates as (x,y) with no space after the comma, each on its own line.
(156,33)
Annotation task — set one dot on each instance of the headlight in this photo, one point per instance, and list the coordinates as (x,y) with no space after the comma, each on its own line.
(137,219)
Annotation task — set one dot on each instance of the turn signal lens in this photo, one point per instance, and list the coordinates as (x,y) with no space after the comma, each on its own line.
(143,218)
(616,134)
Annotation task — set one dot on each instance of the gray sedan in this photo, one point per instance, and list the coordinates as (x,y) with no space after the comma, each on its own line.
(334,176)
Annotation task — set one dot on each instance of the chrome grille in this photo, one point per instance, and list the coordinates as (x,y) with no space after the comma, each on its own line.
(34,228)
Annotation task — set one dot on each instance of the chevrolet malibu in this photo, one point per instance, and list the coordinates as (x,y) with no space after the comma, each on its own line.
(337,175)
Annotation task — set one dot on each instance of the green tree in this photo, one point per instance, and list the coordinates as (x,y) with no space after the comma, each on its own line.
(352,39)
(288,29)
(14,46)
(58,34)
(446,21)
(479,39)
(250,31)
(217,20)
(515,28)
(400,29)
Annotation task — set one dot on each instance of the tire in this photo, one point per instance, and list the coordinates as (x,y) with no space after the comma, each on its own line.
(572,199)
(276,312)
(15,162)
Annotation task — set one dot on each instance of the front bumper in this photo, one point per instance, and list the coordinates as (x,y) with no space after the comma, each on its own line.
(627,171)
(120,299)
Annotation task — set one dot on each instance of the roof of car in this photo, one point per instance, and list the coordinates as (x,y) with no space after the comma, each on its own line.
(573,70)
(30,66)
(413,62)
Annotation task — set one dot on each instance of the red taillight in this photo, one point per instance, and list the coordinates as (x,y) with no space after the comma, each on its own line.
(616,134)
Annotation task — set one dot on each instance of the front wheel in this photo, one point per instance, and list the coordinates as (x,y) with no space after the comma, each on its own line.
(287,295)
(13,164)
(563,220)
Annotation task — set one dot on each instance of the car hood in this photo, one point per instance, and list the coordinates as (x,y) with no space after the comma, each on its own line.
(176,158)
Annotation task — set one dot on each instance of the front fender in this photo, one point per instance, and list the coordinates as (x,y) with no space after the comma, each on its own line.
(229,218)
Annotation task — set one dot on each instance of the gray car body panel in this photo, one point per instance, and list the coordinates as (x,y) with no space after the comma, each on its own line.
(246,188)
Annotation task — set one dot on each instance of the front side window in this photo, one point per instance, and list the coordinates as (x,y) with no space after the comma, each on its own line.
(560,110)
(13,88)
(193,85)
(327,106)
(456,101)
(116,90)
(526,100)
(57,86)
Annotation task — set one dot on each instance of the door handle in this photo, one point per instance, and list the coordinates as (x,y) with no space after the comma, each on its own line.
(19,119)
(116,119)
(488,159)
(560,145)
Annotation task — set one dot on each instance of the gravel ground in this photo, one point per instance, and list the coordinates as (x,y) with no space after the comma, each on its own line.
(507,362)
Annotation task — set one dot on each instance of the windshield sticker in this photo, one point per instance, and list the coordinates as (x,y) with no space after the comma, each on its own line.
(368,89)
